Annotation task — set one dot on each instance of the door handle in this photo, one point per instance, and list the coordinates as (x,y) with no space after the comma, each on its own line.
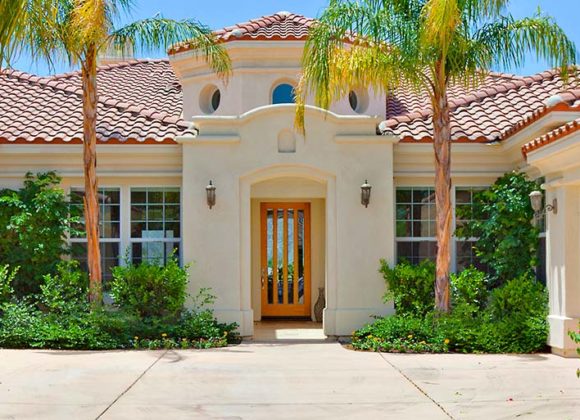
(262,277)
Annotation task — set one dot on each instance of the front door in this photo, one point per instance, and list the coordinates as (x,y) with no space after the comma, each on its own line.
(285,253)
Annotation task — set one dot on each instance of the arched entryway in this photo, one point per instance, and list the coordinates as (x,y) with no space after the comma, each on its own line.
(289,244)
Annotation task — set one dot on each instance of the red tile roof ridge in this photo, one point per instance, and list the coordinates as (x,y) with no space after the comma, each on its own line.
(479,95)
(48,82)
(552,136)
(251,30)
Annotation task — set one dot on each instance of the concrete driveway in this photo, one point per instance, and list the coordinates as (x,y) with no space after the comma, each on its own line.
(284,381)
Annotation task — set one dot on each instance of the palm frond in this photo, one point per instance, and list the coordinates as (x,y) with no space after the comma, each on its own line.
(161,33)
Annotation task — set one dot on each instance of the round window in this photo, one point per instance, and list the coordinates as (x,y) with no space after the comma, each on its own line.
(284,94)
(210,99)
(353,100)
(358,100)
(215,99)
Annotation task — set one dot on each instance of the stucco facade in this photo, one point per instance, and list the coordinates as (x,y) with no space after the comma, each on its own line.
(236,135)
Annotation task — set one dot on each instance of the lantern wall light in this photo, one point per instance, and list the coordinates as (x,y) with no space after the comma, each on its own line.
(365,193)
(536,199)
(210,192)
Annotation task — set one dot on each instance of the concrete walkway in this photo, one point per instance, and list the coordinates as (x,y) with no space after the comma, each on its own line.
(284,381)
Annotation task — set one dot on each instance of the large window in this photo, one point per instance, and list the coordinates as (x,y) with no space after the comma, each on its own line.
(109,229)
(155,224)
(464,247)
(415,224)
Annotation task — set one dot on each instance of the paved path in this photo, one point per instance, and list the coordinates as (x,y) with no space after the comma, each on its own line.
(284,381)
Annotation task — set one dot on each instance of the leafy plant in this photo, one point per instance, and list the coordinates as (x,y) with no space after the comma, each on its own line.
(6,278)
(501,220)
(575,336)
(521,297)
(469,291)
(149,289)
(66,291)
(410,287)
(34,222)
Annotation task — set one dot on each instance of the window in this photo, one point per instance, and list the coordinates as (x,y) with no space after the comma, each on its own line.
(358,100)
(109,229)
(415,224)
(155,224)
(464,247)
(284,94)
(210,99)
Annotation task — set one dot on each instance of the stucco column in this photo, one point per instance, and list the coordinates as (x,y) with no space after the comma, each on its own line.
(563,262)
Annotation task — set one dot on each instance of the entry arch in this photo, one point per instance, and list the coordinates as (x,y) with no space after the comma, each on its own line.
(296,171)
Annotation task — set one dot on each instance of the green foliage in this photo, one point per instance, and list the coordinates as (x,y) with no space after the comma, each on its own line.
(575,336)
(469,291)
(34,222)
(513,319)
(400,334)
(521,297)
(60,317)
(66,291)
(149,289)
(501,219)
(410,287)
(6,278)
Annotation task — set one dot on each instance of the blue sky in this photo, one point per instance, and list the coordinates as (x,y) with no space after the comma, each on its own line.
(220,13)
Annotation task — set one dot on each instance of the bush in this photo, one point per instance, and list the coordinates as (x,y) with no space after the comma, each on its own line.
(61,318)
(6,278)
(575,336)
(150,290)
(66,291)
(512,320)
(469,291)
(501,220)
(520,297)
(410,287)
(34,222)
(400,334)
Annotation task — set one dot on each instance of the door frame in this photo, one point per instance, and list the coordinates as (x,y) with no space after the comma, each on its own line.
(285,310)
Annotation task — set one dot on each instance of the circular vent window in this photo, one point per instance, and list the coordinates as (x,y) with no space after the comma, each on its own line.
(358,100)
(210,99)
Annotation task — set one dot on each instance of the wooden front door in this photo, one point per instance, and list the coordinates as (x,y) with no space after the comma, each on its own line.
(285,255)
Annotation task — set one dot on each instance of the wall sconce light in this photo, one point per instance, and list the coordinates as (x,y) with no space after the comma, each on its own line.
(536,198)
(210,191)
(365,194)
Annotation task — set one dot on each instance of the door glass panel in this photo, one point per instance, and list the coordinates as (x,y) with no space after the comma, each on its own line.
(280,259)
(291,256)
(270,254)
(300,256)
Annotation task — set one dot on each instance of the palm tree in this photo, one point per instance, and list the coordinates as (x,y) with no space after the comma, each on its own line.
(80,30)
(428,45)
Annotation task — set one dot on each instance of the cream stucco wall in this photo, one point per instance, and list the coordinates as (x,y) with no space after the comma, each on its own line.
(240,154)
(559,162)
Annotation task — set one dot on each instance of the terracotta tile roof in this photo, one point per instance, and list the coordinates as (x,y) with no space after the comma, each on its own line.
(36,110)
(281,26)
(146,82)
(503,105)
(551,137)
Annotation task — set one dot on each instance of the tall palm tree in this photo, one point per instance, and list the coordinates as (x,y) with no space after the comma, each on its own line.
(428,45)
(80,30)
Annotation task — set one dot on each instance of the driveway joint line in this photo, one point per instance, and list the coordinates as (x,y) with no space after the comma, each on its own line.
(421,390)
(131,385)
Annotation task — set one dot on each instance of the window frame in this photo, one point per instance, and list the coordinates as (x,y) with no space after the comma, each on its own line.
(131,240)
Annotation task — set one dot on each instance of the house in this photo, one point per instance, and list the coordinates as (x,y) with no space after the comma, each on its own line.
(287,219)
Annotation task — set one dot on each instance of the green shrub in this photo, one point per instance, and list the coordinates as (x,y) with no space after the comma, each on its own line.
(501,220)
(66,291)
(400,334)
(6,279)
(575,336)
(34,222)
(469,291)
(150,290)
(521,297)
(410,287)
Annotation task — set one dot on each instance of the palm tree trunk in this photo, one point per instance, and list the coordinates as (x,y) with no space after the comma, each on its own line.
(91,202)
(442,148)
